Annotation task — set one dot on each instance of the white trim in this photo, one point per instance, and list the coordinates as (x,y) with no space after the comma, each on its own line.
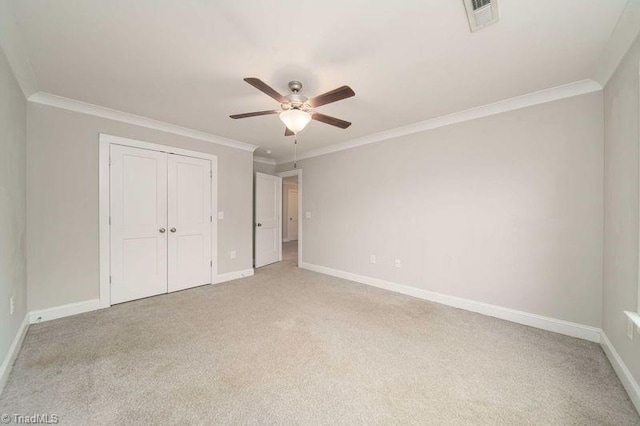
(635,318)
(229,276)
(543,96)
(638,276)
(625,376)
(137,120)
(103,221)
(105,142)
(619,43)
(12,353)
(264,160)
(297,172)
(538,321)
(63,311)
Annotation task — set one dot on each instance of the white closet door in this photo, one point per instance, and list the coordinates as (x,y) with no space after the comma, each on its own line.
(268,205)
(189,222)
(138,191)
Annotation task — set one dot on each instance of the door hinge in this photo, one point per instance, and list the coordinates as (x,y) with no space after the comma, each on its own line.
(211,218)
(211,174)
(109,279)
(109,160)
(211,263)
(109,220)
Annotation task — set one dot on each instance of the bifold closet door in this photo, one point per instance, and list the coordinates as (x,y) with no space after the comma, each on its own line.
(138,215)
(189,218)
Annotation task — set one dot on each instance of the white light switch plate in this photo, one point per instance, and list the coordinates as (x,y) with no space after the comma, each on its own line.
(307,215)
(220,215)
(372,259)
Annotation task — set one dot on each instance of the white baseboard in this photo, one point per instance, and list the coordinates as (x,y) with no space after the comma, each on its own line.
(625,376)
(12,353)
(64,311)
(234,275)
(538,321)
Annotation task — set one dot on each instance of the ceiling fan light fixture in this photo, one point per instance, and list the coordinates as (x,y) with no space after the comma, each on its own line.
(295,119)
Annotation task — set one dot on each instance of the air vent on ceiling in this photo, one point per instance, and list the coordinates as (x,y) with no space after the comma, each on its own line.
(481,13)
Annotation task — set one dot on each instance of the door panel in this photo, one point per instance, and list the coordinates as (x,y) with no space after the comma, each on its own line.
(292,204)
(268,205)
(138,192)
(189,214)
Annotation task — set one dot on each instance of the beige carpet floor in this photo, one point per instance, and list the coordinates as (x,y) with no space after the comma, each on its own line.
(297,347)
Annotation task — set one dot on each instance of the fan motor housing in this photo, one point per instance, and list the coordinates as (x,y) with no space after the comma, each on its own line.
(296,100)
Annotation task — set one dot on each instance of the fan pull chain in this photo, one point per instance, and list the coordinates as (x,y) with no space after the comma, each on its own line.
(295,152)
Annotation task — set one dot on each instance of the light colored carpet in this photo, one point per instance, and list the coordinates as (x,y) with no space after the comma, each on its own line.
(292,346)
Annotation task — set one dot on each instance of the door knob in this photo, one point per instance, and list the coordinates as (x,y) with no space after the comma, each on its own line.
(258,224)
(173,229)
(162,230)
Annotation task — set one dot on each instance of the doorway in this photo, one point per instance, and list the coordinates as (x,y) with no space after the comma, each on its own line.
(292,216)
(277,218)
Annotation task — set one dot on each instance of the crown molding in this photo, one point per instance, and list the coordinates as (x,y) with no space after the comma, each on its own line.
(623,36)
(264,160)
(137,120)
(577,88)
(13,46)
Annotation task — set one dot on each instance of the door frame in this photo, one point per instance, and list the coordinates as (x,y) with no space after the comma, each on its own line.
(104,182)
(297,172)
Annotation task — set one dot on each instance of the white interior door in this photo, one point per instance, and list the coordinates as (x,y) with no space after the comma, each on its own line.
(138,215)
(189,221)
(292,220)
(268,205)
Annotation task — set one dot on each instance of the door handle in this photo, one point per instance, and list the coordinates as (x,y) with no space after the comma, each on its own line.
(173,229)
(162,230)
(258,224)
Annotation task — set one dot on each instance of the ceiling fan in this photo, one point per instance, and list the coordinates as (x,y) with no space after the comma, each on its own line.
(296,110)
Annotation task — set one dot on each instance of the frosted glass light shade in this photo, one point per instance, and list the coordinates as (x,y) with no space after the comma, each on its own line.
(295,119)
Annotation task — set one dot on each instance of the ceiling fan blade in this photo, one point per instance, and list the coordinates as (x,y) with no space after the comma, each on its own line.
(330,120)
(288,132)
(265,88)
(335,95)
(254,114)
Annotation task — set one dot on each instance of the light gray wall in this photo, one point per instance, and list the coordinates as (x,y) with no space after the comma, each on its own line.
(506,209)
(13,255)
(269,169)
(622,215)
(62,201)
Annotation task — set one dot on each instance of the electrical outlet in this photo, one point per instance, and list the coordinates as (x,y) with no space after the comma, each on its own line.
(373,258)
(233,254)
(12,306)
(630,327)
(398,263)
(220,215)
